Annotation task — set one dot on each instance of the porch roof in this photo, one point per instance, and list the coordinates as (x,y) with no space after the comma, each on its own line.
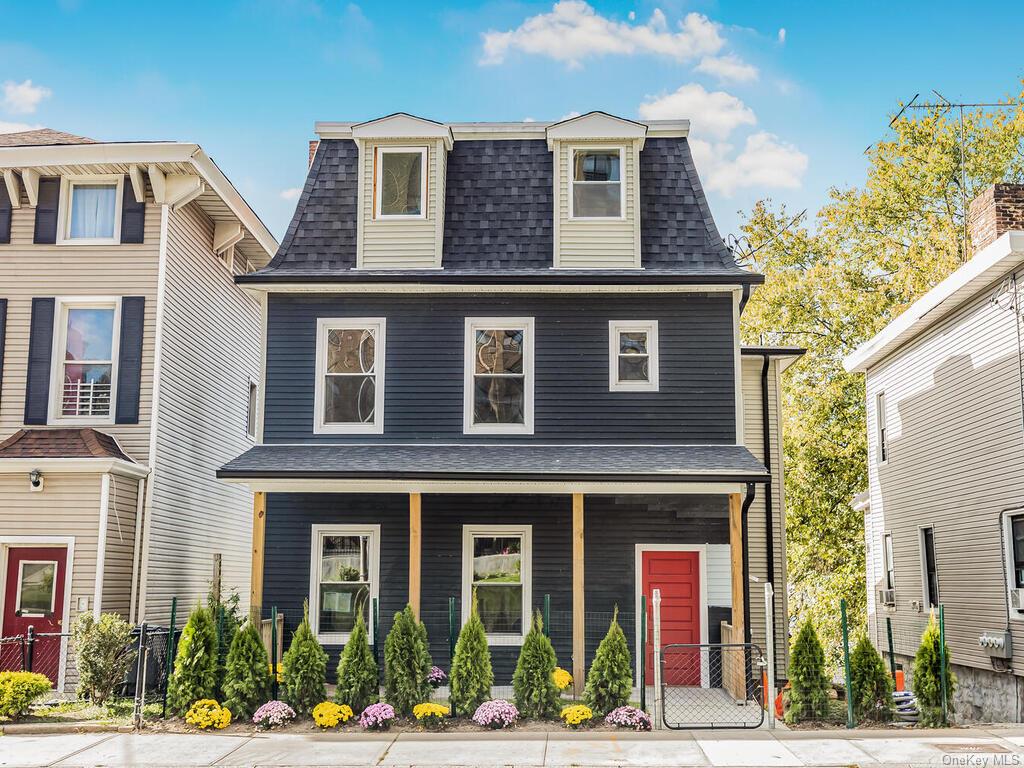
(477,461)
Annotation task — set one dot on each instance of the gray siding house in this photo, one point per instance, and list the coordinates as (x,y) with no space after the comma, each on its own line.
(944,510)
(504,358)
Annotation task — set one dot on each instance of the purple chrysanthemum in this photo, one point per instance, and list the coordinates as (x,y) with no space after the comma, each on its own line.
(496,714)
(629,717)
(437,677)
(377,717)
(272,714)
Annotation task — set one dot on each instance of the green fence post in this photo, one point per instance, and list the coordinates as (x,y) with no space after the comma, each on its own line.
(453,632)
(273,651)
(942,662)
(547,616)
(846,665)
(170,652)
(642,652)
(892,653)
(375,619)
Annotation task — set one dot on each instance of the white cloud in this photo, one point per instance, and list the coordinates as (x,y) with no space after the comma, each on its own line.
(764,162)
(568,116)
(782,35)
(16,127)
(292,193)
(728,67)
(714,113)
(23,98)
(573,31)
(529,119)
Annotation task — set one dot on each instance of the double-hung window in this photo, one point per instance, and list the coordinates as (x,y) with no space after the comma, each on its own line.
(881,430)
(887,556)
(496,571)
(633,356)
(350,376)
(90,210)
(597,191)
(85,360)
(344,578)
(400,182)
(1016,531)
(929,572)
(498,375)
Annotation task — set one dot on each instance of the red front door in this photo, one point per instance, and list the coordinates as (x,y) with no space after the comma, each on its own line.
(677,575)
(34,596)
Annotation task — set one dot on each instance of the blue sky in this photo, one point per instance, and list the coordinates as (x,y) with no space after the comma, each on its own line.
(783,97)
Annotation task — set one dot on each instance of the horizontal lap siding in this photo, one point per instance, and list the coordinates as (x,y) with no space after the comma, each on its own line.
(424,367)
(956,449)
(120,548)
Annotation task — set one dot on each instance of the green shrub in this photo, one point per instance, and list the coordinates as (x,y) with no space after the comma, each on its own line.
(305,669)
(358,681)
(104,652)
(406,663)
(808,697)
(195,664)
(471,675)
(535,691)
(227,620)
(927,680)
(18,690)
(870,684)
(610,679)
(247,673)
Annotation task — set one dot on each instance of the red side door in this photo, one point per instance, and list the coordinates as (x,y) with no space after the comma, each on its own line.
(34,596)
(677,575)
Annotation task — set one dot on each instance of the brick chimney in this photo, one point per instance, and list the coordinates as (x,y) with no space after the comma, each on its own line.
(312,150)
(997,210)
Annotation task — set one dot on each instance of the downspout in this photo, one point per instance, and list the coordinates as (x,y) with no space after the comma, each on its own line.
(769,522)
(744,296)
(747,501)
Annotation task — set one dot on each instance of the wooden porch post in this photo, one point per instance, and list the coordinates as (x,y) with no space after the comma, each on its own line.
(259,528)
(578,623)
(415,539)
(736,545)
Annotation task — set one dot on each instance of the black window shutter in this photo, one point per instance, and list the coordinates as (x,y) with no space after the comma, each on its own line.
(3,335)
(5,215)
(40,346)
(133,215)
(129,361)
(46,211)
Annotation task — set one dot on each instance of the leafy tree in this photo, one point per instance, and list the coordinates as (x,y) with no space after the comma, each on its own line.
(358,683)
(535,691)
(808,696)
(927,680)
(104,653)
(406,663)
(195,665)
(831,283)
(304,665)
(247,678)
(871,686)
(471,674)
(610,679)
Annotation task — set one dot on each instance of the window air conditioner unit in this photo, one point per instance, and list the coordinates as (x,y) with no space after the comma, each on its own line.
(888,596)
(1017,599)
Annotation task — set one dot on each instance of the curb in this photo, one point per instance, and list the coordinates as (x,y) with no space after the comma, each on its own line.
(24,729)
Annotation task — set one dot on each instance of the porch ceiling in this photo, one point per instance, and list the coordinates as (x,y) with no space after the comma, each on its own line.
(477,461)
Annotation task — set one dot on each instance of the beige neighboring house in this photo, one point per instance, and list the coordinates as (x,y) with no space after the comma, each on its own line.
(129,363)
(944,508)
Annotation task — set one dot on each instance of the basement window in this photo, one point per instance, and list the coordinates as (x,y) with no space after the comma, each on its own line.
(496,568)
(400,182)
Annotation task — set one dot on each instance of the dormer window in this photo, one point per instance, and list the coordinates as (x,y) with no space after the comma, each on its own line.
(597,189)
(91,210)
(400,182)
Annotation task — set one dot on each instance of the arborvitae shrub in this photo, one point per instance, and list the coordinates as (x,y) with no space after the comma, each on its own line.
(247,673)
(927,681)
(808,696)
(406,663)
(226,622)
(104,652)
(535,692)
(610,679)
(195,665)
(304,665)
(870,684)
(471,675)
(358,684)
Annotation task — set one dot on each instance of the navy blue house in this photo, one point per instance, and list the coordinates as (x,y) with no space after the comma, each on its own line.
(504,359)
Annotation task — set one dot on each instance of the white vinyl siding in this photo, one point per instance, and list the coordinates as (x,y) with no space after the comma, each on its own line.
(400,243)
(956,448)
(597,243)
(120,545)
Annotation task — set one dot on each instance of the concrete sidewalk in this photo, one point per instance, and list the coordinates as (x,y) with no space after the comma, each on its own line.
(961,748)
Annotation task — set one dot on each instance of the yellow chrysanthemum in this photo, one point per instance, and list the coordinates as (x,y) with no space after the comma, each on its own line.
(207,713)
(576,715)
(327,714)
(562,678)
(429,709)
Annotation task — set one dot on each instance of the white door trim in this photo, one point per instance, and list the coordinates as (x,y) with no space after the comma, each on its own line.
(6,542)
(702,551)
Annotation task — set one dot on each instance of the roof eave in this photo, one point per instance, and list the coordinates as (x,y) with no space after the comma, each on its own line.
(650,277)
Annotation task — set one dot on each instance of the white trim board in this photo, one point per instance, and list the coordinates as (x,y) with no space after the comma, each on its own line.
(343,287)
(314,485)
(74,466)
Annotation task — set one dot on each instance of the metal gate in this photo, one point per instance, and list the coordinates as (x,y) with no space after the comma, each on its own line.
(712,685)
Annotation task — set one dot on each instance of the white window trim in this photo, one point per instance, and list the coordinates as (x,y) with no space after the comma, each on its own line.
(881,430)
(61,306)
(21,574)
(573,148)
(473,324)
(317,533)
(525,570)
(64,209)
(252,406)
(925,589)
(650,327)
(323,326)
(379,152)
(1008,567)
(888,563)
